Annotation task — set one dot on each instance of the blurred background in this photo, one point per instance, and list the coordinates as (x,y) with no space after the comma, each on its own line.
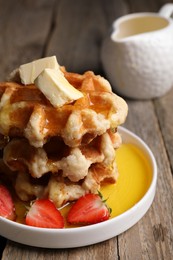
(71,30)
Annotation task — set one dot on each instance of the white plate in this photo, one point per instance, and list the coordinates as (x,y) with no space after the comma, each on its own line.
(87,235)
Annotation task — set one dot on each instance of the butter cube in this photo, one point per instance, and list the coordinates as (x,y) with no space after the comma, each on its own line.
(56,88)
(29,72)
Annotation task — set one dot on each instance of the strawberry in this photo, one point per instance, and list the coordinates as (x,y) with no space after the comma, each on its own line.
(7,209)
(88,209)
(43,213)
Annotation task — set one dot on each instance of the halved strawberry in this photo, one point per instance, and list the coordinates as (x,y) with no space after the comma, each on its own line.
(7,209)
(88,209)
(43,213)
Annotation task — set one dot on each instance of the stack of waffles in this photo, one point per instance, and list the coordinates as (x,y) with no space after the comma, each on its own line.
(61,152)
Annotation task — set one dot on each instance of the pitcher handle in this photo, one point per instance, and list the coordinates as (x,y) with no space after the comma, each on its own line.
(166,10)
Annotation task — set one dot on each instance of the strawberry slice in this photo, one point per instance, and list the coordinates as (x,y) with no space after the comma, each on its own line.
(43,213)
(7,209)
(88,209)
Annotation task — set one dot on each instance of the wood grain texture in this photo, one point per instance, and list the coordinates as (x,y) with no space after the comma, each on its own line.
(164,108)
(74,31)
(24,28)
(155,239)
(105,250)
(79,31)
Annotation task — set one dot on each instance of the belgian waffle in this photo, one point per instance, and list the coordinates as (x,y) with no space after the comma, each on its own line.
(55,156)
(60,153)
(24,111)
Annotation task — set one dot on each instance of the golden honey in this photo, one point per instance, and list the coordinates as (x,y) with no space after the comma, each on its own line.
(135,175)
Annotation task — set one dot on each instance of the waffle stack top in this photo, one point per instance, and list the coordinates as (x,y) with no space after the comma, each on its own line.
(58,131)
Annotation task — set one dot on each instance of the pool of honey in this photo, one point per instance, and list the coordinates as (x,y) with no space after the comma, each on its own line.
(135,175)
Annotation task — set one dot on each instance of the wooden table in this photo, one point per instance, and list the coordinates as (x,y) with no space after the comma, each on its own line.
(74,31)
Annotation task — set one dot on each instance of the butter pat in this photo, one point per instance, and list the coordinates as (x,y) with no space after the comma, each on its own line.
(56,88)
(29,72)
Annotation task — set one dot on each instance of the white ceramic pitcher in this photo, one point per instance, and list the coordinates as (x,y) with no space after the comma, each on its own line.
(138,55)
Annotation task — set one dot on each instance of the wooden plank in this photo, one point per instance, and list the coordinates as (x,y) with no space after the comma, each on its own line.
(144,5)
(164,109)
(105,250)
(154,233)
(24,28)
(2,245)
(79,32)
